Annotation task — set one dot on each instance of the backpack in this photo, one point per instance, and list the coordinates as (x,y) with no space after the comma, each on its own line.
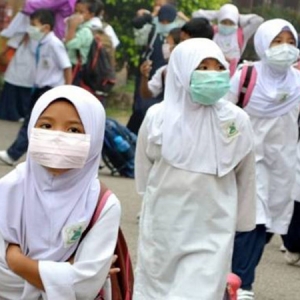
(119,148)
(246,85)
(98,74)
(122,282)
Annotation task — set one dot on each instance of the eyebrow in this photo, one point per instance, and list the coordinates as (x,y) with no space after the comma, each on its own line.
(48,118)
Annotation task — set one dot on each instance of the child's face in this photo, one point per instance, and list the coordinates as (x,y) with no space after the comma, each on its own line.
(44,28)
(210,64)
(62,116)
(227,22)
(83,10)
(284,37)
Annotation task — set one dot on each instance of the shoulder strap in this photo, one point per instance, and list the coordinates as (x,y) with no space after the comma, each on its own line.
(151,40)
(103,197)
(240,38)
(246,86)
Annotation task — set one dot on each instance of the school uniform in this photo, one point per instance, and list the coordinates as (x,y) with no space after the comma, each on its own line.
(229,43)
(50,61)
(18,80)
(273,109)
(195,191)
(47,215)
(157,83)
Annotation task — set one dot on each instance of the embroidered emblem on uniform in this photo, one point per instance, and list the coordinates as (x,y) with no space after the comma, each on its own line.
(284,97)
(232,130)
(71,234)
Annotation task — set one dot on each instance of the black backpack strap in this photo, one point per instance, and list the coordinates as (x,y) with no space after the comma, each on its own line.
(245,86)
(151,40)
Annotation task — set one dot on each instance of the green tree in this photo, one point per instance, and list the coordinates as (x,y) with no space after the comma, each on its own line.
(119,13)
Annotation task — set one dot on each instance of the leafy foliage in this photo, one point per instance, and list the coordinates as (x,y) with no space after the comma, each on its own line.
(119,13)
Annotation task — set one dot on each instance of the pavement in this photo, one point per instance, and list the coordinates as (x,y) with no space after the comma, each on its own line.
(274,279)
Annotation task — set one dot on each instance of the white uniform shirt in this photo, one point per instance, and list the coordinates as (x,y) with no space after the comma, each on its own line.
(156,83)
(61,280)
(52,62)
(21,70)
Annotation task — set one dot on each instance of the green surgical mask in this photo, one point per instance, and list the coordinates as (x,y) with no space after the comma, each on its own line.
(208,87)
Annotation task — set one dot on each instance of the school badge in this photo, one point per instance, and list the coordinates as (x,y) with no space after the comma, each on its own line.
(72,233)
(232,130)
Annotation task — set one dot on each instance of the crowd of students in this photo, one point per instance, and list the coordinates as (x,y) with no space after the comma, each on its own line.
(217,180)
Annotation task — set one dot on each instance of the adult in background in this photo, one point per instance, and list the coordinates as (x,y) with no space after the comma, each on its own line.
(153,51)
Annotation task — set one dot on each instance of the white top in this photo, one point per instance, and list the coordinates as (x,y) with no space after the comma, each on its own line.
(229,43)
(21,70)
(80,281)
(273,109)
(195,137)
(155,84)
(53,61)
(188,222)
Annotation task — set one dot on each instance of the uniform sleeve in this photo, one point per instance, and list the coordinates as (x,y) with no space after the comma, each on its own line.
(246,185)
(210,15)
(250,23)
(83,37)
(61,56)
(87,275)
(143,163)
(155,85)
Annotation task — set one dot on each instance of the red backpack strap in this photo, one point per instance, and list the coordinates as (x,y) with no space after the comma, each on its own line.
(247,84)
(240,38)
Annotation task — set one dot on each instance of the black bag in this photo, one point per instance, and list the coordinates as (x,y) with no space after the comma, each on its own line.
(98,73)
(119,148)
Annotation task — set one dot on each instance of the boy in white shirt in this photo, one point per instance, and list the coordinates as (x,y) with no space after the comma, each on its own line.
(53,68)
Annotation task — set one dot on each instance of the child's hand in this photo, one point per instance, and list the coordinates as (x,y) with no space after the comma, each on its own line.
(13,253)
(75,20)
(156,10)
(114,270)
(145,68)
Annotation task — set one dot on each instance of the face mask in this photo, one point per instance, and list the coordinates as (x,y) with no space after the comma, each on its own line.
(164,29)
(166,51)
(227,29)
(59,150)
(35,33)
(282,57)
(208,87)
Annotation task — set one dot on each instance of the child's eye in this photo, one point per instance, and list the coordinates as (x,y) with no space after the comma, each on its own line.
(221,67)
(203,67)
(45,126)
(74,130)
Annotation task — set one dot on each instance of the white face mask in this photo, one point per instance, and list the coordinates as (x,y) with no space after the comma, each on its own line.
(166,50)
(282,57)
(59,150)
(35,33)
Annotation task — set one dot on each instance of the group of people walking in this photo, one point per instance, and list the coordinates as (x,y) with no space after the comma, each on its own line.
(217,179)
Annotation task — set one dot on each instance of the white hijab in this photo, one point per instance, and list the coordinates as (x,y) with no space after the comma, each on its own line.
(271,85)
(196,137)
(228,43)
(35,206)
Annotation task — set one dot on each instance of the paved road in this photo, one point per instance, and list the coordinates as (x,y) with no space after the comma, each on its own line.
(275,280)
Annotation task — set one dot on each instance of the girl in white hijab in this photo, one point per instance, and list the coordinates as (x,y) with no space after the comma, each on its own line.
(273,109)
(195,170)
(232,32)
(48,202)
